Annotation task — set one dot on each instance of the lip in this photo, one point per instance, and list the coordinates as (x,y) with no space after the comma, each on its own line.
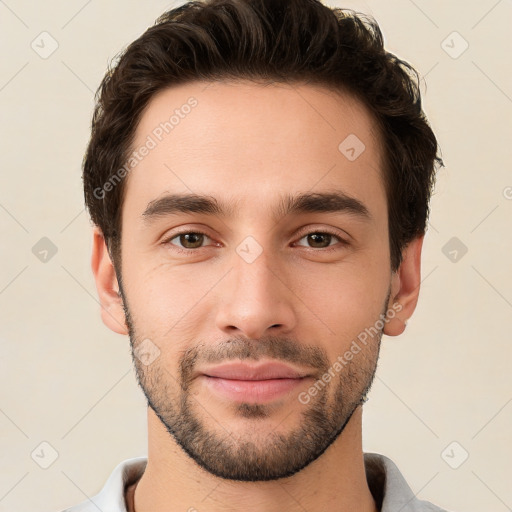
(246,372)
(260,383)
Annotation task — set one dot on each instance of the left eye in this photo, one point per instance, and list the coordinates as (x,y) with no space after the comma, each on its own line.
(191,240)
(320,240)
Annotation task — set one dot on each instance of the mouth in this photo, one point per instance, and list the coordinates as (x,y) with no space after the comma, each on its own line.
(261,383)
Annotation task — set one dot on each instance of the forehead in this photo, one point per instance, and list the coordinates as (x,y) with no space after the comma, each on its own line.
(252,142)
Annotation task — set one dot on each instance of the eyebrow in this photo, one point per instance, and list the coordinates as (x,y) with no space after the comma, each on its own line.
(316,202)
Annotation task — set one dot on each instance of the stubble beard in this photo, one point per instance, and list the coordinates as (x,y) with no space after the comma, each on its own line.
(244,456)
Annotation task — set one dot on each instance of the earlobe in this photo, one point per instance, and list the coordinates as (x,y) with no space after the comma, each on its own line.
(112,311)
(405,288)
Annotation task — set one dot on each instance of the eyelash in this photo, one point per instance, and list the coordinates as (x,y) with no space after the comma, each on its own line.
(186,251)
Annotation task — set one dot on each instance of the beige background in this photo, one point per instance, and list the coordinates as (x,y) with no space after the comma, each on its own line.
(67,380)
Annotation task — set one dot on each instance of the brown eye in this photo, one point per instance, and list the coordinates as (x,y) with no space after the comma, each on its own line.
(190,240)
(319,240)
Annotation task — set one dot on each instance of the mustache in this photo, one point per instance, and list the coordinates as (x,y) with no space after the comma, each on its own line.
(241,348)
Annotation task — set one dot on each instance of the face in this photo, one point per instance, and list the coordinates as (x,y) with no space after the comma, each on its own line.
(254,254)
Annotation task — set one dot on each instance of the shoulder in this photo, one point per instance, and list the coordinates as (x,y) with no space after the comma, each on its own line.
(390,489)
(111,498)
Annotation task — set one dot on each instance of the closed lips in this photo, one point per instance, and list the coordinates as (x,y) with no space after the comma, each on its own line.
(268,371)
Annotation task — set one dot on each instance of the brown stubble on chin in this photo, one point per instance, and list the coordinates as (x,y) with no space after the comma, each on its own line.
(240,348)
(227,454)
(249,455)
(252,411)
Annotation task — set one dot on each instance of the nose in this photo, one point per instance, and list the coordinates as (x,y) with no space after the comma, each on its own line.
(255,300)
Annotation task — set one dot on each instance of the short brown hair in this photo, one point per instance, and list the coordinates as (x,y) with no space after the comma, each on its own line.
(287,41)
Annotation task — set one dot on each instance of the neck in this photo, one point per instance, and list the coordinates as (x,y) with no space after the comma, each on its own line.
(334,482)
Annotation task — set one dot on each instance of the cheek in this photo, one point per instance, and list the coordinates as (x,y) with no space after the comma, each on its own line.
(165,299)
(346,298)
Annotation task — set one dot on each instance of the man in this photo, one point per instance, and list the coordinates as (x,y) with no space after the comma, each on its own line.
(258,174)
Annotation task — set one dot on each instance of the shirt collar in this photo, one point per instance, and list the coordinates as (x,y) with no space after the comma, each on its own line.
(387,485)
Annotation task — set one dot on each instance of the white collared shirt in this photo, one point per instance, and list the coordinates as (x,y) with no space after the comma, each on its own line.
(387,485)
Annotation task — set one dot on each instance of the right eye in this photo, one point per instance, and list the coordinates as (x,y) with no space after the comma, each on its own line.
(188,240)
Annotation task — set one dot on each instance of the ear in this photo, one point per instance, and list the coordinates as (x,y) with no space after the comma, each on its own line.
(112,312)
(405,288)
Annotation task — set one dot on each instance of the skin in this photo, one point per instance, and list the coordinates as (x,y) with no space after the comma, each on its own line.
(248,145)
